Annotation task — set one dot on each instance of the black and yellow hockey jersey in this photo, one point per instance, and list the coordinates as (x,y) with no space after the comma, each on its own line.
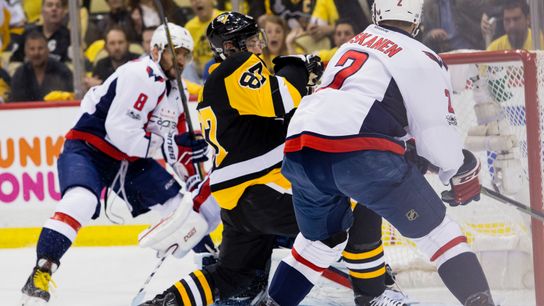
(241,111)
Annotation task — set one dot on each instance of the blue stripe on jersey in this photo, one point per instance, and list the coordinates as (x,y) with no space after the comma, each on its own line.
(95,123)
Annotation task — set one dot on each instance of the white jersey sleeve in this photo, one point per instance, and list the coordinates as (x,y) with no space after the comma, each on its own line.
(136,97)
(426,87)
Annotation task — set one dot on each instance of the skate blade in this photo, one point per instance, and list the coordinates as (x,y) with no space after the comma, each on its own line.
(27,300)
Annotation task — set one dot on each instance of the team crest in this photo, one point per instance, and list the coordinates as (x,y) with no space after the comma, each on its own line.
(223,18)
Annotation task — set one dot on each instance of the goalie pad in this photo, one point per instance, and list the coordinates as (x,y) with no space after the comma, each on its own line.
(465,185)
(181,230)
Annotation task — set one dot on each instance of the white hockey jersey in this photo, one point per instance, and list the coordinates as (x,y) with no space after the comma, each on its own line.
(118,116)
(379,89)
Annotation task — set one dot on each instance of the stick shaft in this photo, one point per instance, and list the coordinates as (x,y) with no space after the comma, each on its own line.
(199,167)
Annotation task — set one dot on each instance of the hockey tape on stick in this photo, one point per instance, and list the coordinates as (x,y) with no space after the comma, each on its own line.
(198,166)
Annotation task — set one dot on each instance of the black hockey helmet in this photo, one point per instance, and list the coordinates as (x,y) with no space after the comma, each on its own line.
(230,27)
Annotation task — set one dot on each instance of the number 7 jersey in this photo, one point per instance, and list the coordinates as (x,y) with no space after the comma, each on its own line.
(380,89)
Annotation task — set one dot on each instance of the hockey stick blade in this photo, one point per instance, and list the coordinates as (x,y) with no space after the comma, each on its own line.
(538,215)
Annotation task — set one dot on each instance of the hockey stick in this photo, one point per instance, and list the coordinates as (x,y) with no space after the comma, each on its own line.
(538,215)
(138,299)
(520,206)
(198,166)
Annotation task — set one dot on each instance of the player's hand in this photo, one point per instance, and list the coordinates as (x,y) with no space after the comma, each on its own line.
(191,150)
(314,67)
(312,63)
(465,185)
(438,34)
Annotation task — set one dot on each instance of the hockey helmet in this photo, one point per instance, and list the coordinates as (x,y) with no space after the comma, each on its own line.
(181,38)
(231,27)
(401,10)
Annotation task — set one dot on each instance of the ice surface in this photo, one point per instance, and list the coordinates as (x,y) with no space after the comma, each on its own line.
(108,276)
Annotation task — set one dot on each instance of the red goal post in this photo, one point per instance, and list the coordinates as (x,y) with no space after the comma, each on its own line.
(533,88)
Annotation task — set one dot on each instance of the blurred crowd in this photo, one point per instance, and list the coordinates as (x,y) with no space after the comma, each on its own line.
(37,57)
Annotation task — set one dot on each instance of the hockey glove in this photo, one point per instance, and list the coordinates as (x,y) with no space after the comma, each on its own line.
(411,155)
(313,65)
(465,185)
(191,150)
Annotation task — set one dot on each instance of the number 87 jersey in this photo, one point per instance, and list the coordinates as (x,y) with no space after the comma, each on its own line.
(379,89)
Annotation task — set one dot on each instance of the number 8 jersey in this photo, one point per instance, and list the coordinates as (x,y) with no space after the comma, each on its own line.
(379,89)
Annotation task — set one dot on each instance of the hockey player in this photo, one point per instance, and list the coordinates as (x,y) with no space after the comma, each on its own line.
(133,115)
(244,112)
(347,141)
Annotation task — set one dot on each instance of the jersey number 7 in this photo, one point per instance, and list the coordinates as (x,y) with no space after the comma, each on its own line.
(356,60)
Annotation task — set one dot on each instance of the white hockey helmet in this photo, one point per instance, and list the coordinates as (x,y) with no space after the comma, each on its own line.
(181,38)
(401,10)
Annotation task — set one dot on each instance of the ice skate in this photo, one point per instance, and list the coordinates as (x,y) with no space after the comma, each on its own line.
(36,289)
(163,299)
(389,297)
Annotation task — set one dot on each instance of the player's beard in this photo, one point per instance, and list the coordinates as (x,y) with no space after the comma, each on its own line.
(170,70)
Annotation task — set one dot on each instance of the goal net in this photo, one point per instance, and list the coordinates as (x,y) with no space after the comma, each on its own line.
(495,99)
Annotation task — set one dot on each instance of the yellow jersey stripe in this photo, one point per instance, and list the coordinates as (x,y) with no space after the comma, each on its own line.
(364,255)
(183,293)
(367,275)
(205,285)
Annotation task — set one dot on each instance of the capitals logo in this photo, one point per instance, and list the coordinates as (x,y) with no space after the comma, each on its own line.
(152,74)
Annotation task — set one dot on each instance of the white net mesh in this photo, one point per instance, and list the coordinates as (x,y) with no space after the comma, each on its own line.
(489,101)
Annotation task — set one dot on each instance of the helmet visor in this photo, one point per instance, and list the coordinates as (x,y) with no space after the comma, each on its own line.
(257,40)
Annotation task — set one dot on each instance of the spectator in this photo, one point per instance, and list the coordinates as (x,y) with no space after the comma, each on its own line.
(276,31)
(295,13)
(5,81)
(53,28)
(150,13)
(40,74)
(204,11)
(343,32)
(119,15)
(326,13)
(453,24)
(117,47)
(491,23)
(147,33)
(254,9)
(4,25)
(516,21)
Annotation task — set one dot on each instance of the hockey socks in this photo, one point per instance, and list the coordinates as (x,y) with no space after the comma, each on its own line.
(289,286)
(465,278)
(52,245)
(297,273)
(366,270)
(194,289)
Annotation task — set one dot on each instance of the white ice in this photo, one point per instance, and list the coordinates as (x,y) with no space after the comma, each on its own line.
(108,276)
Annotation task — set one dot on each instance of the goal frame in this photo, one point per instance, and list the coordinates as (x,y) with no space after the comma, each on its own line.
(534,147)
